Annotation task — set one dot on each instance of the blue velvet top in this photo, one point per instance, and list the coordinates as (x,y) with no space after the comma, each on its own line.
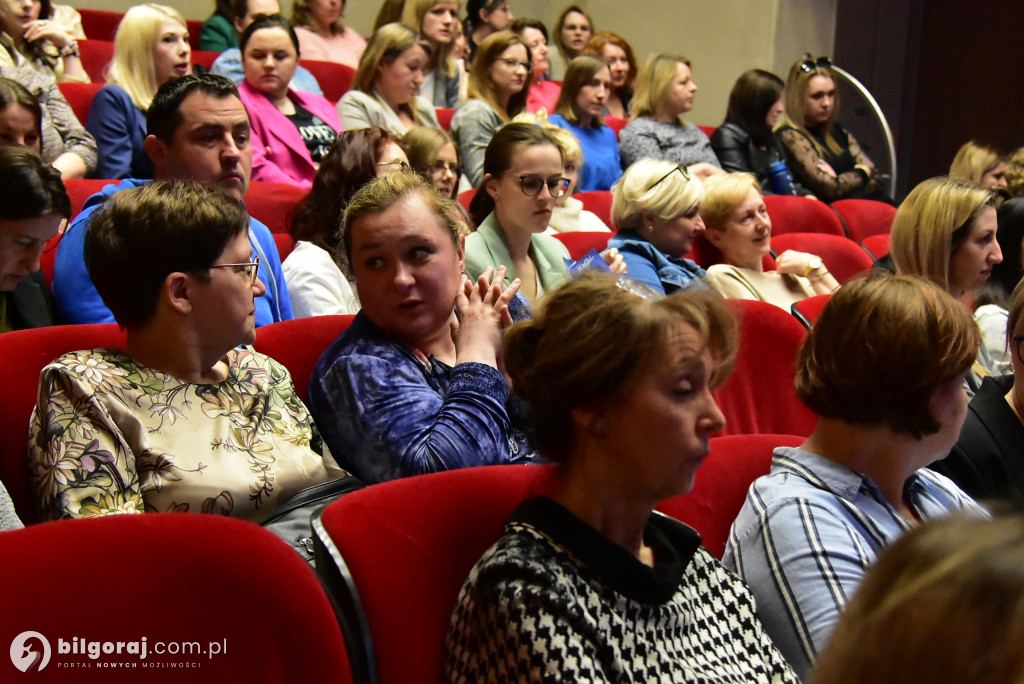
(648,265)
(386,415)
(602,165)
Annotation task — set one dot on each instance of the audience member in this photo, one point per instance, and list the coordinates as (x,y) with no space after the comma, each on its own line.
(182,419)
(31,105)
(1014,173)
(219,32)
(484,17)
(436,21)
(883,368)
(291,131)
(28,35)
(986,461)
(591,584)
(745,142)
(572,31)
(543,91)
(35,207)
(656,212)
(945,231)
(738,225)
(499,84)
(618,55)
(579,110)
(316,270)
(412,387)
(992,301)
(981,165)
(822,155)
(150,48)
(523,178)
(664,92)
(198,129)
(943,605)
(230,61)
(433,155)
(322,33)
(386,90)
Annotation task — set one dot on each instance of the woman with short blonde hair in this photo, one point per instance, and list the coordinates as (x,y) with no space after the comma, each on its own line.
(664,92)
(979,164)
(384,92)
(150,48)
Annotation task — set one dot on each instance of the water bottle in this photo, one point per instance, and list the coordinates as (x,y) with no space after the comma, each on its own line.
(782,182)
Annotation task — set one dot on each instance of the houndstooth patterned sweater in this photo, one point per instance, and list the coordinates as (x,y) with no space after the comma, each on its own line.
(555,601)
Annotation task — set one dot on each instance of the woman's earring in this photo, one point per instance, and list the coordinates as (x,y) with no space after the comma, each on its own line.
(650,229)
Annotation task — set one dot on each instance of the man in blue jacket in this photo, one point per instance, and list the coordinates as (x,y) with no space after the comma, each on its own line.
(198,129)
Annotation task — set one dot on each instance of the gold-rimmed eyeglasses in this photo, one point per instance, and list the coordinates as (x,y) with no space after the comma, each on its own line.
(250,268)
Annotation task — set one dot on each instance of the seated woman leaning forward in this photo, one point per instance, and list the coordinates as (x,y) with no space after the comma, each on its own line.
(883,368)
(736,221)
(182,420)
(591,585)
(413,386)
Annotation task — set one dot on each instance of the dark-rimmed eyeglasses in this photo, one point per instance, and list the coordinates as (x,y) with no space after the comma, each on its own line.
(250,268)
(514,64)
(531,185)
(680,168)
(810,65)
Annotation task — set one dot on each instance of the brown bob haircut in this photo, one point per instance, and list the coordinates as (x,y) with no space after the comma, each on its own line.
(591,341)
(881,348)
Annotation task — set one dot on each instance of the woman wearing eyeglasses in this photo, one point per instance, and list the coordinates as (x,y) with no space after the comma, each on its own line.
(512,209)
(183,419)
(413,385)
(822,155)
(499,83)
(385,90)
(316,270)
(656,211)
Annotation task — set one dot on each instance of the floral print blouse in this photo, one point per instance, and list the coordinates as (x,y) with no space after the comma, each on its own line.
(110,435)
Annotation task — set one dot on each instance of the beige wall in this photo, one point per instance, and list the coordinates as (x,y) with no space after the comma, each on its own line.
(723,38)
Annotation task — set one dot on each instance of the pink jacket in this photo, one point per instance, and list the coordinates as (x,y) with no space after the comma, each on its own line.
(278,151)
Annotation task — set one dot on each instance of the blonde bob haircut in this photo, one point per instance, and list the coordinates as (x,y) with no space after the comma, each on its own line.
(722,194)
(137,36)
(973,161)
(302,17)
(932,222)
(654,186)
(412,16)
(944,604)
(793,97)
(652,84)
(386,44)
(385,192)
(481,86)
(590,342)
(572,153)
(1015,173)
(881,348)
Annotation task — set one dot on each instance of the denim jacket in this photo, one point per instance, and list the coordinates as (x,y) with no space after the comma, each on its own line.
(646,264)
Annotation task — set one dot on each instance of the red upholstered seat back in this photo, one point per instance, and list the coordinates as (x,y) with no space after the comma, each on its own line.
(25,353)
(759,396)
(168,578)
(600,203)
(334,79)
(808,310)
(616,123)
(721,485)
(298,344)
(843,257)
(79,96)
(580,242)
(96,55)
(100,24)
(204,58)
(272,203)
(409,545)
(877,246)
(792,214)
(444,117)
(81,189)
(864,217)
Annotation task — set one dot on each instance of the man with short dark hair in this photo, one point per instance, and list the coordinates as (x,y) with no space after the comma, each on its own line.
(198,129)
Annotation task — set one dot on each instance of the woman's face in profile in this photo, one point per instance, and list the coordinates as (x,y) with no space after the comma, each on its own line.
(995,178)
(21,244)
(971,264)
(746,236)
(672,405)
(407,270)
(774,113)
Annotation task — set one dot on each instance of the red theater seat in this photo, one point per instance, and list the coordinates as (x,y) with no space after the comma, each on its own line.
(792,214)
(298,344)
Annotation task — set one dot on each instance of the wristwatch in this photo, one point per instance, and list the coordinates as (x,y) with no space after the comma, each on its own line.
(813,264)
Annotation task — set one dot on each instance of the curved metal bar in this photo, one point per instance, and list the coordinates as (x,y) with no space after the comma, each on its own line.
(881,117)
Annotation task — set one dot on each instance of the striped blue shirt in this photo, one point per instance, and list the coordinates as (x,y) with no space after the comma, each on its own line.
(806,534)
